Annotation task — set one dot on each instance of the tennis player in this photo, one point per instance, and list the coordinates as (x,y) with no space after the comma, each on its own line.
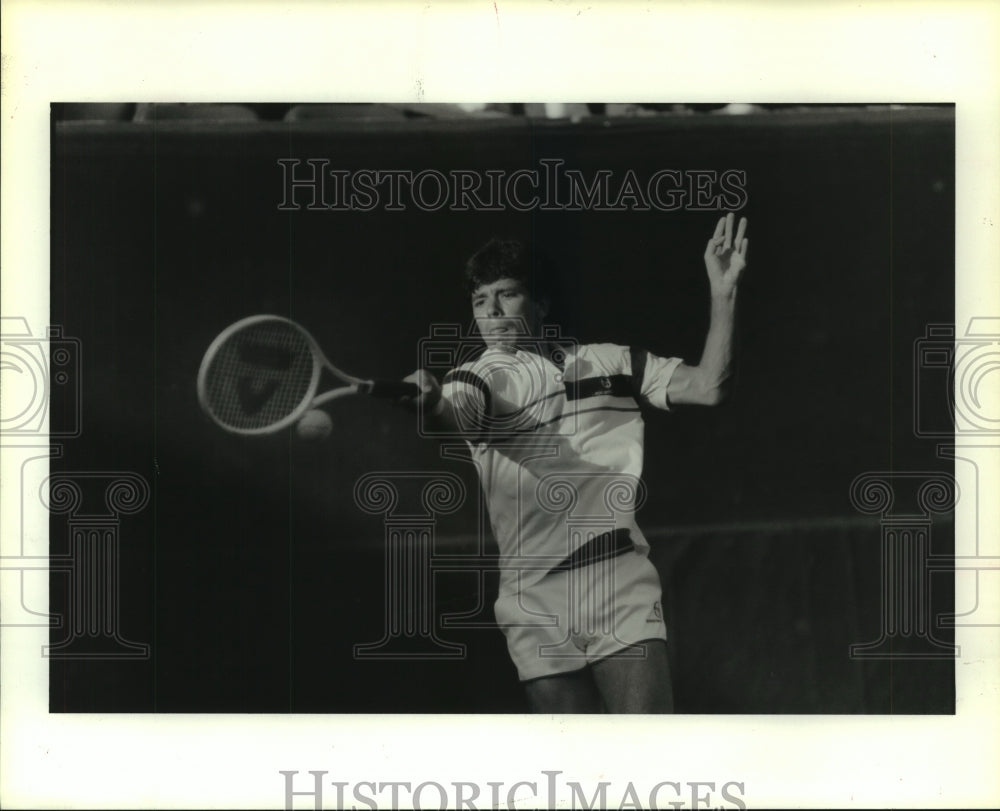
(557,437)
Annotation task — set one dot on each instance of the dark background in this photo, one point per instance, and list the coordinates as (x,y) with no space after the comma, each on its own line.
(252,573)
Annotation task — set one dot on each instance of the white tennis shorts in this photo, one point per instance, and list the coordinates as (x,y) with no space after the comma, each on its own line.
(570,619)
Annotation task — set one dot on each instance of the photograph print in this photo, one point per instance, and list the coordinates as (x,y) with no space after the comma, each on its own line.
(502,408)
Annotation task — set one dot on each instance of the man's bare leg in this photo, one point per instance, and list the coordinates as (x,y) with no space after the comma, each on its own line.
(565,693)
(636,685)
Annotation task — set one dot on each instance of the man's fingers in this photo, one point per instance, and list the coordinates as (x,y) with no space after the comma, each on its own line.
(741,231)
(723,240)
(742,249)
(425,382)
(714,246)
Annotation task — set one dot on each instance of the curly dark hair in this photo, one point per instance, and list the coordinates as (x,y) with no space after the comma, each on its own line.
(503,258)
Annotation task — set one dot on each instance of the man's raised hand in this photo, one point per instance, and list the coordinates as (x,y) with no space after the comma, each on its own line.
(726,256)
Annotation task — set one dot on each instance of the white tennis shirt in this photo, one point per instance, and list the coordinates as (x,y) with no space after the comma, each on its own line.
(557,437)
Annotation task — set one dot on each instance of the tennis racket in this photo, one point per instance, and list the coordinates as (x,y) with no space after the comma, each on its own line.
(262,374)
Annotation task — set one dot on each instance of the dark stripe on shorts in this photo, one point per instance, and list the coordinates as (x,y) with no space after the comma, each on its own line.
(603,547)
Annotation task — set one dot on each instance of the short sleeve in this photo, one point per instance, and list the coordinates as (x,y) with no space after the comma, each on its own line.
(469,397)
(651,375)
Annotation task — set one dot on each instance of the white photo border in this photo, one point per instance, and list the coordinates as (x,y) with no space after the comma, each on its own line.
(566,50)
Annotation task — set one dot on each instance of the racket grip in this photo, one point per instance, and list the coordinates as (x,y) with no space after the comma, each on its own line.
(392,389)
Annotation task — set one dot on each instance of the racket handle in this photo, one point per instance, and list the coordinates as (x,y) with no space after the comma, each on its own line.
(392,389)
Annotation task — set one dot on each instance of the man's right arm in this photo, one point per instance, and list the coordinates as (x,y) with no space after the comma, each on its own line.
(708,382)
(436,412)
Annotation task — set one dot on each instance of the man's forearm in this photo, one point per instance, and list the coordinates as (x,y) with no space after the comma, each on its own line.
(708,382)
(715,370)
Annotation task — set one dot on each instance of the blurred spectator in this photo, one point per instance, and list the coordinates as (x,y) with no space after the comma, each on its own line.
(204,112)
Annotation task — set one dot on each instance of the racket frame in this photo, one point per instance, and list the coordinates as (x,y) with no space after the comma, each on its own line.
(310,399)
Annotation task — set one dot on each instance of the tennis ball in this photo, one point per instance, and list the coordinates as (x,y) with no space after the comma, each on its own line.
(314,425)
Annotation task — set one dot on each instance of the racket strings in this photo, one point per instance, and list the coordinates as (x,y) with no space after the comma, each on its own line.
(260,375)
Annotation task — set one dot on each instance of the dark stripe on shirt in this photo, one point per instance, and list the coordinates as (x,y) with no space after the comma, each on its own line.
(612,385)
(603,547)
(638,357)
(609,385)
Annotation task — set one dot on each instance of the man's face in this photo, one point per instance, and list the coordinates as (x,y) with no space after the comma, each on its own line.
(505,311)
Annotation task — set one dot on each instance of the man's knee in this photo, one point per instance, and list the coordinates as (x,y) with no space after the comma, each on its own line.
(636,684)
(573,692)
